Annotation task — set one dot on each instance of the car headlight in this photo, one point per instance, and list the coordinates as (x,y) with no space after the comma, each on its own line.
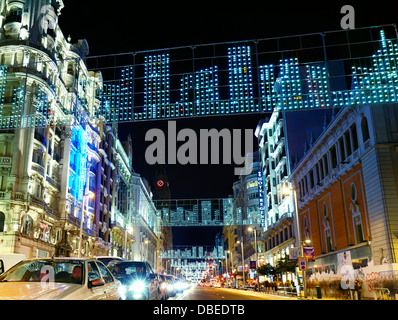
(138,286)
(122,291)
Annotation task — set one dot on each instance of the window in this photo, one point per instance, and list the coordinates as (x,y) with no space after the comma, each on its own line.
(365,129)
(342,150)
(354,136)
(347,142)
(3,183)
(333,155)
(27,225)
(325,161)
(312,181)
(252,196)
(149,269)
(321,171)
(328,237)
(93,271)
(252,184)
(356,214)
(2,219)
(105,273)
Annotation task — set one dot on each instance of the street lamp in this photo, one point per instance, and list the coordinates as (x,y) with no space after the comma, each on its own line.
(130,230)
(146,241)
(88,195)
(255,243)
(286,191)
(243,260)
(226,265)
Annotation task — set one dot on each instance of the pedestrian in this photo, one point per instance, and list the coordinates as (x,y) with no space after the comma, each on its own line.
(358,288)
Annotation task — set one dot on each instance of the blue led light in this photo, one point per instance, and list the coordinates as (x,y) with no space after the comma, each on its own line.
(288,85)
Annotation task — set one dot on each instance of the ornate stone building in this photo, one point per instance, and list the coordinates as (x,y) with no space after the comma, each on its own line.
(60,165)
(347,189)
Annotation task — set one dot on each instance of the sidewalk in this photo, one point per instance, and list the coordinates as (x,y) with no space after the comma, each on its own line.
(295,297)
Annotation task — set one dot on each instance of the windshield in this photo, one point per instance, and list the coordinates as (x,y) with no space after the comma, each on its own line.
(65,271)
(125,270)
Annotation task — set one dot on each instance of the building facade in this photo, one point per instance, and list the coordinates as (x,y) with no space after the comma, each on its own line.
(279,228)
(67,181)
(48,148)
(146,223)
(347,190)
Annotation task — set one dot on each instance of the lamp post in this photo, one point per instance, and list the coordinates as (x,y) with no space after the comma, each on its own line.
(146,241)
(287,190)
(226,265)
(243,260)
(255,243)
(88,195)
(130,230)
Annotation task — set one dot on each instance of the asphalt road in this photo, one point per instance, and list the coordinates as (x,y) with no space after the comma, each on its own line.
(207,293)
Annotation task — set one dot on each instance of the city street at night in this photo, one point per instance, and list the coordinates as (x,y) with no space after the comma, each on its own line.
(208,293)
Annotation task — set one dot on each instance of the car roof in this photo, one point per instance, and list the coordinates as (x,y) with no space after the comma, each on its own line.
(61,258)
(127,261)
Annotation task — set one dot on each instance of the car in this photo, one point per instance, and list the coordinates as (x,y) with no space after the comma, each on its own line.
(180,285)
(108,259)
(59,279)
(7,260)
(138,280)
(171,289)
(164,292)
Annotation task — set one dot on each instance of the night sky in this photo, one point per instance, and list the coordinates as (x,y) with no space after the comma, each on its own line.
(148,25)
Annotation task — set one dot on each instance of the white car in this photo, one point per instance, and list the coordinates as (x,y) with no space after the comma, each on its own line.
(59,279)
(7,260)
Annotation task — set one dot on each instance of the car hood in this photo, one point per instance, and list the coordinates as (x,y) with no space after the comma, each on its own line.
(36,290)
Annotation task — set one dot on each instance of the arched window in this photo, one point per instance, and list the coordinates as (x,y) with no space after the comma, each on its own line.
(27,225)
(356,215)
(2,219)
(326,226)
(365,129)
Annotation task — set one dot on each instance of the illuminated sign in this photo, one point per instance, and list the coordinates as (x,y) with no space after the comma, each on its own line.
(219,87)
(261,198)
(82,162)
(160,183)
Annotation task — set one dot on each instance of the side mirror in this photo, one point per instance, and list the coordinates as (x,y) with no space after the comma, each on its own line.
(97,282)
(152,276)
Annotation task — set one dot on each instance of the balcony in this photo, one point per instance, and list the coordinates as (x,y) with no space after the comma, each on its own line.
(92,147)
(5,161)
(53,183)
(13,18)
(39,137)
(4,195)
(38,168)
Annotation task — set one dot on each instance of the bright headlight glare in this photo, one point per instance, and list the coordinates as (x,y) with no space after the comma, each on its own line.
(138,286)
(122,290)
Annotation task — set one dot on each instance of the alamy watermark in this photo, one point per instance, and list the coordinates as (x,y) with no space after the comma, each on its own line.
(187,153)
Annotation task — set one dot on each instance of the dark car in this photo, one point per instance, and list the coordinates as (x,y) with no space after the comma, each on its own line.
(138,280)
(108,259)
(171,290)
